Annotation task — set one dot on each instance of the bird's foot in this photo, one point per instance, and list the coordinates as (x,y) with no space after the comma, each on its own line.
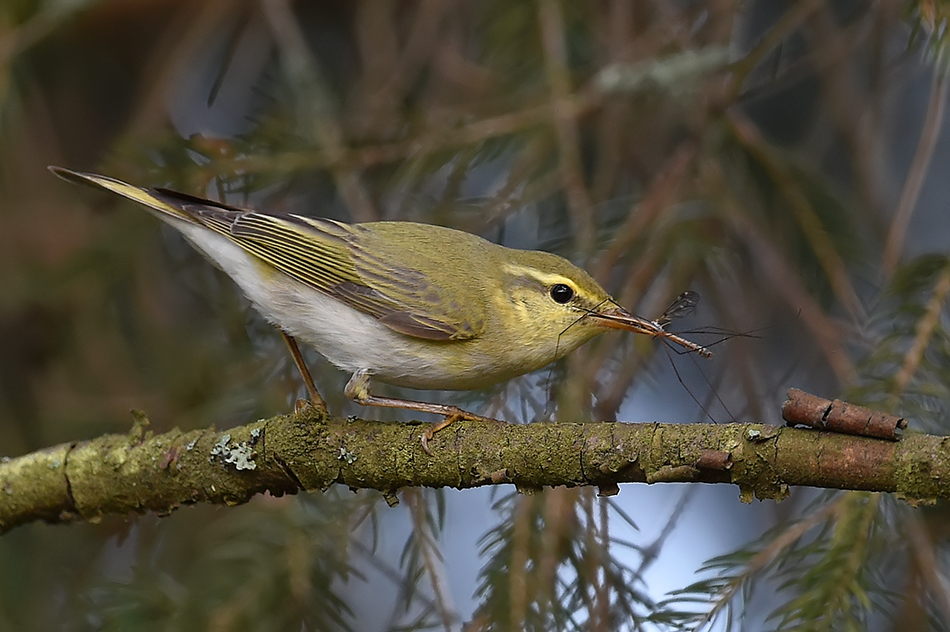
(457,414)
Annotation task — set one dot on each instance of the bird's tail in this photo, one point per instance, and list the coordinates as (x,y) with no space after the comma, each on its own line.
(151,198)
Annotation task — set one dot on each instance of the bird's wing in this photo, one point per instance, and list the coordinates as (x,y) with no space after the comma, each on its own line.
(327,256)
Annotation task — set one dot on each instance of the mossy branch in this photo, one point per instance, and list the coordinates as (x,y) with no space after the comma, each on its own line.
(141,471)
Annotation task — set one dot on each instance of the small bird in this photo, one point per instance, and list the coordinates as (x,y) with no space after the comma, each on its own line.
(404,303)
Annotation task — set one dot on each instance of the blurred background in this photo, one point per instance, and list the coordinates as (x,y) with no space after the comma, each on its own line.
(786,160)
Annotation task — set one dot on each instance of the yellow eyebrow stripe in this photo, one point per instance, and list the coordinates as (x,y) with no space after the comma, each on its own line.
(545,278)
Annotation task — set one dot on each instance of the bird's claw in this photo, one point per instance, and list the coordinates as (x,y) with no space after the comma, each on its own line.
(450,419)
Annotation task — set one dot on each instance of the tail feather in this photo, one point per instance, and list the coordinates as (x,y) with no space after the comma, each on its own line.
(155,200)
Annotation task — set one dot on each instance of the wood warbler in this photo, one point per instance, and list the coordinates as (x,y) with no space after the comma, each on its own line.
(404,303)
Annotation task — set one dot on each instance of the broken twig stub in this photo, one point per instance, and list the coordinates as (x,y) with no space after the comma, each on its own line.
(804,409)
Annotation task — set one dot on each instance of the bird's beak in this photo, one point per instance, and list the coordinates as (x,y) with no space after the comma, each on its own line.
(617,317)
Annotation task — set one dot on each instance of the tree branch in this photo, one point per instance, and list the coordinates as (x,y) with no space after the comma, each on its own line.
(141,471)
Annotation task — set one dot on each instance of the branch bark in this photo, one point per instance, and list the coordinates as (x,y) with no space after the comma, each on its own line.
(141,471)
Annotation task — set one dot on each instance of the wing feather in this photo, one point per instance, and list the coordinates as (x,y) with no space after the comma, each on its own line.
(329,256)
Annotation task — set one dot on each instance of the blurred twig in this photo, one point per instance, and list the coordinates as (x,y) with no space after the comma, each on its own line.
(433,561)
(824,248)
(565,123)
(926,558)
(318,112)
(660,195)
(925,330)
(15,41)
(427,143)
(787,284)
(789,22)
(762,559)
(917,172)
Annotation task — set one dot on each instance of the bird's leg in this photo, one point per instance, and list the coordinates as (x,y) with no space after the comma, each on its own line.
(315,398)
(357,389)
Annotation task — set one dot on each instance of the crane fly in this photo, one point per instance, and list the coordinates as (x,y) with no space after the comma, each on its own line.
(683,305)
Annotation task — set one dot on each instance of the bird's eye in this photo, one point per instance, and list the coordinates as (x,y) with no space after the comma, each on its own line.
(561,293)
